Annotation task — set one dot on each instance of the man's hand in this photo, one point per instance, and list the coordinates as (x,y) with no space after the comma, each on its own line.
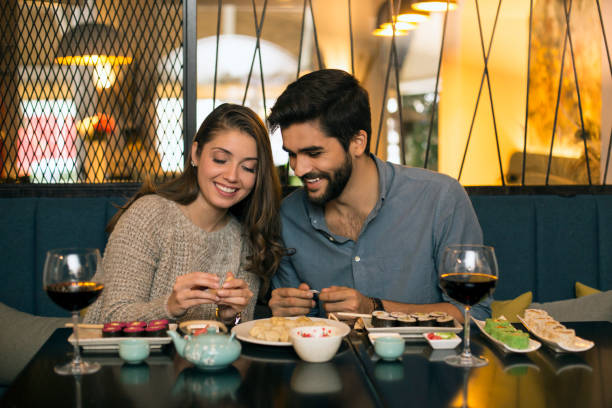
(291,301)
(343,299)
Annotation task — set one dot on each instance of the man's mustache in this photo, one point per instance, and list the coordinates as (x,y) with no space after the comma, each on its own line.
(314,176)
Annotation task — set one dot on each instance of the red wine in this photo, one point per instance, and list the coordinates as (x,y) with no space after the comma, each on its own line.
(467,288)
(74,295)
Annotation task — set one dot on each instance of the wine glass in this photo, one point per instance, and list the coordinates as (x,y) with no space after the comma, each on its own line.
(68,279)
(468,274)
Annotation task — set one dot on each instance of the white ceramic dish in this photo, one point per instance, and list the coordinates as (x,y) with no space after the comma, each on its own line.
(374,336)
(533,344)
(438,344)
(91,339)
(316,344)
(410,331)
(579,345)
(242,331)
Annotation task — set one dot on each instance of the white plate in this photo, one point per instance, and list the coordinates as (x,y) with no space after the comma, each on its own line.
(579,345)
(442,344)
(410,331)
(91,339)
(533,345)
(242,331)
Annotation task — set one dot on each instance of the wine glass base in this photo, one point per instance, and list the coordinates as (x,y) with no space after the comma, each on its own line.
(466,361)
(77,369)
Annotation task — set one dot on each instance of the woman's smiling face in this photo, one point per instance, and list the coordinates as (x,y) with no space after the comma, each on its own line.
(226,168)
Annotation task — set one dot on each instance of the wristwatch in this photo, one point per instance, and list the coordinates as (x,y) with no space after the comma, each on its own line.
(377,303)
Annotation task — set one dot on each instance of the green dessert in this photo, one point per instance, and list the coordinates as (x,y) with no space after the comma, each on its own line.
(503,331)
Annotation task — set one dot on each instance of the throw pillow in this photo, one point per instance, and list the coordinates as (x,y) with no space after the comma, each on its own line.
(22,336)
(596,307)
(510,308)
(584,290)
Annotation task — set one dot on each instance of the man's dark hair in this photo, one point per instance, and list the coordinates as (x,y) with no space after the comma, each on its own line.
(333,97)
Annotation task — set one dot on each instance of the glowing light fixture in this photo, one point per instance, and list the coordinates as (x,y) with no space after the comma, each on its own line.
(409,15)
(401,28)
(434,5)
(92,44)
(385,27)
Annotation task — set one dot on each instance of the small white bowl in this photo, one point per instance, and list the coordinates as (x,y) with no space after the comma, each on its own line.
(316,344)
(444,343)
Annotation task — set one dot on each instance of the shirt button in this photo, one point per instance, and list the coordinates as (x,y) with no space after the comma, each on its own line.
(331,239)
(357,259)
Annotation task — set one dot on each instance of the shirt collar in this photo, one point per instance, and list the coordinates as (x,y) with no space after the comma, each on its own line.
(316,213)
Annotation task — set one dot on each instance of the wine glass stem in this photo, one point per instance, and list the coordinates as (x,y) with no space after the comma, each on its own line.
(76,361)
(466,334)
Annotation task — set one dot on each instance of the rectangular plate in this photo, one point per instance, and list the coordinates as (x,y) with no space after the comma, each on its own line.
(91,339)
(579,345)
(533,345)
(410,332)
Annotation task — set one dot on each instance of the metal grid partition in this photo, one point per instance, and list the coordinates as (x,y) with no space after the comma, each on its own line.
(91,91)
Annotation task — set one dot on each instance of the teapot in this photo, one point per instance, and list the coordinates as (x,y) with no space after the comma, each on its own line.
(208,351)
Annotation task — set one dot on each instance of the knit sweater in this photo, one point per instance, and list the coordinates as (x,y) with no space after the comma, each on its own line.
(152,244)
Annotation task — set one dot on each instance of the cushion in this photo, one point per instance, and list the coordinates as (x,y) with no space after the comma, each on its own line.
(596,307)
(584,290)
(23,334)
(510,308)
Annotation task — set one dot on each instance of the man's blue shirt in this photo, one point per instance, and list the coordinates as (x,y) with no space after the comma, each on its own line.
(418,213)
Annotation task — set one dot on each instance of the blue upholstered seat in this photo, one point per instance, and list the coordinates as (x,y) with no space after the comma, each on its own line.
(544,243)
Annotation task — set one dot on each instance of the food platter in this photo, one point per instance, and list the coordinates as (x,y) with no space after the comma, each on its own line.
(242,331)
(91,339)
(533,344)
(410,331)
(578,345)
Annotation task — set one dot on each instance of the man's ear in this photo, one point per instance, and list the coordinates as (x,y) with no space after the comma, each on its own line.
(358,144)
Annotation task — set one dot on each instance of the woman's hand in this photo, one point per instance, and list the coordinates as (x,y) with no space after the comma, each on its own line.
(191,290)
(234,295)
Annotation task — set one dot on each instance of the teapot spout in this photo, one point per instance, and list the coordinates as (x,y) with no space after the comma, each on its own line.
(179,342)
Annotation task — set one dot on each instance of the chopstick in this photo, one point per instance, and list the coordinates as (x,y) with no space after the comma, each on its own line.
(347,314)
(86,325)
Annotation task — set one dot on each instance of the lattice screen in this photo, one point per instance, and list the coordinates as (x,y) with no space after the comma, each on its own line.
(90,120)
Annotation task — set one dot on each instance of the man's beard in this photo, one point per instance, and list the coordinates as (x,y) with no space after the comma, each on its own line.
(337,180)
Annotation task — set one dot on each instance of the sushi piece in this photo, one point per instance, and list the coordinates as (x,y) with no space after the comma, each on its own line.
(517,339)
(158,322)
(426,321)
(156,331)
(492,323)
(437,314)
(397,315)
(112,331)
(445,321)
(133,331)
(406,321)
(383,321)
(136,323)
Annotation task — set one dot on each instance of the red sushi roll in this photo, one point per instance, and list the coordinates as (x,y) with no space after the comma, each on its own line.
(133,331)
(156,331)
(159,322)
(137,323)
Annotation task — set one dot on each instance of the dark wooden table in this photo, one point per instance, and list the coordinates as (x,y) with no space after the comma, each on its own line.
(538,379)
(267,376)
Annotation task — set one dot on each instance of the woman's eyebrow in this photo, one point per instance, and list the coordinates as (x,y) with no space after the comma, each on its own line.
(231,154)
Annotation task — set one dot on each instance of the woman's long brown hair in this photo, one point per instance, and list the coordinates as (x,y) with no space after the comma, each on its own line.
(258,212)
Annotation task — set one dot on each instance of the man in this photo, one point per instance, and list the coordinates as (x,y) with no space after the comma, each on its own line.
(367,234)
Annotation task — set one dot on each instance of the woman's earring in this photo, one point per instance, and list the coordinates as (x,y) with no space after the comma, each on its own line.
(193,164)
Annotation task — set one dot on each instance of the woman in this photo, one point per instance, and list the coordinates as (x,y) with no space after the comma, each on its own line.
(202,240)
